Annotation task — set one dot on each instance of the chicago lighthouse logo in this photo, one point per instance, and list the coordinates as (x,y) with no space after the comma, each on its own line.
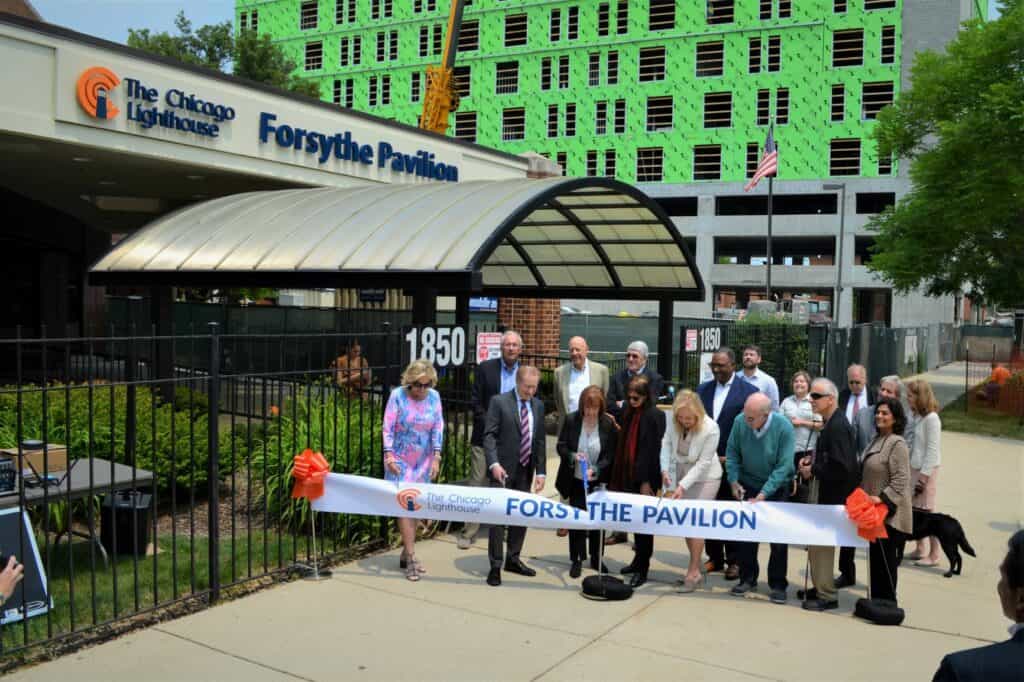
(94,86)
(407,499)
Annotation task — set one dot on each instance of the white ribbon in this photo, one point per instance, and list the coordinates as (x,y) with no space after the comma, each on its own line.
(783,522)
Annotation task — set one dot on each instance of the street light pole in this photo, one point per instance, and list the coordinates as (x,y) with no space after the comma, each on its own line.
(841,187)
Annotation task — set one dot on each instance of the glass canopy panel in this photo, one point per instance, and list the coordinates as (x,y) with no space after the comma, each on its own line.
(544,215)
(599,215)
(575,276)
(570,253)
(590,199)
(662,277)
(508,275)
(629,276)
(658,253)
(530,233)
(505,255)
(628,232)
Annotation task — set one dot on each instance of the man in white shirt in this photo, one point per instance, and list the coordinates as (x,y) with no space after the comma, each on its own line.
(574,376)
(856,396)
(762,381)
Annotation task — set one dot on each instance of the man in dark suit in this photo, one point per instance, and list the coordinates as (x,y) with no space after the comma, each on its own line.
(516,457)
(1005,660)
(723,398)
(856,398)
(636,364)
(492,377)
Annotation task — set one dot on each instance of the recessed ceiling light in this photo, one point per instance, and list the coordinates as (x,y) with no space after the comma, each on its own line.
(81,159)
(196,177)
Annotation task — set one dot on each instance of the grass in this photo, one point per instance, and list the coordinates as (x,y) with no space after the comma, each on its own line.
(80,601)
(980,420)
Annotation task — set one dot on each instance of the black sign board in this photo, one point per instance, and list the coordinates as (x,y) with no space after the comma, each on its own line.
(372,295)
(32,591)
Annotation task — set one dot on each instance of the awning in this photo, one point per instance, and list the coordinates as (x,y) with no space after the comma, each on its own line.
(550,238)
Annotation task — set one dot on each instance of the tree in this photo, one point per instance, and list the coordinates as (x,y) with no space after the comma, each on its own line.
(213,46)
(961,125)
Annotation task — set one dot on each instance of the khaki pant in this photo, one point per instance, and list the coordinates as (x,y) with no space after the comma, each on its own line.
(477,478)
(822,560)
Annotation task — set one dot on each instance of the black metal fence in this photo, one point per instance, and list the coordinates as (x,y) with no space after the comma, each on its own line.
(164,477)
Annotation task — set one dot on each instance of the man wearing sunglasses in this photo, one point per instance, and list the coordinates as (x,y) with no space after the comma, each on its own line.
(835,474)
(636,365)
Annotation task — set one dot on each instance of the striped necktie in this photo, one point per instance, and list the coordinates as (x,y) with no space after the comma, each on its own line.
(524,434)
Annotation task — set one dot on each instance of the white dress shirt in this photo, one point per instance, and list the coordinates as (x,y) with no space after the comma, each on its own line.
(721,392)
(579,379)
(862,401)
(764,382)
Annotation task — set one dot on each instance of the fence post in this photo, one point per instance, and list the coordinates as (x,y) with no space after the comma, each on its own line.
(967,376)
(213,463)
(130,418)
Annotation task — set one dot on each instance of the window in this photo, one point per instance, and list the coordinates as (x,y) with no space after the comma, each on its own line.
(785,9)
(652,64)
(591,163)
(570,120)
(848,47)
(603,11)
(717,109)
(545,73)
(552,120)
(661,15)
(371,92)
(381,9)
(838,102)
(754,55)
(461,76)
(506,77)
(885,164)
(350,87)
(393,45)
(555,31)
(381,46)
(874,97)
(839,6)
(710,58)
(707,162)
(438,39)
(763,107)
(774,53)
(515,30)
(424,41)
(613,67)
(622,17)
(254,21)
(420,5)
(782,106)
(344,10)
(562,159)
(336,93)
(574,23)
(720,11)
(415,86)
(888,44)
(649,163)
(594,69)
(659,114)
(601,118)
(878,4)
(563,72)
(469,36)
(243,21)
(765,10)
(620,116)
(385,89)
(465,125)
(308,14)
(314,56)
(344,52)
(357,49)
(753,158)
(844,157)
(513,124)
(609,163)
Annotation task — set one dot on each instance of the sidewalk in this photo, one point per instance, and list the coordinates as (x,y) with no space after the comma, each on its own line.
(369,622)
(947,381)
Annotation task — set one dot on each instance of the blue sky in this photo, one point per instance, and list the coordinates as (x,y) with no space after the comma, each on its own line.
(111,19)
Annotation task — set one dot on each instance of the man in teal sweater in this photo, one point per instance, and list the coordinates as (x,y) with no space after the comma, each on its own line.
(759,464)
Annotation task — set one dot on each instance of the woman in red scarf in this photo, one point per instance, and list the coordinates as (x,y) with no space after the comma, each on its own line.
(637,467)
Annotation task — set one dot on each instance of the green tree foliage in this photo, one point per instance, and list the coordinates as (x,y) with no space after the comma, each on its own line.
(250,55)
(962,124)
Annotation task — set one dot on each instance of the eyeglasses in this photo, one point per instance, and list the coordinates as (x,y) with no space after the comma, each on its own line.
(819,396)
(633,355)
(420,384)
(716,365)
(634,398)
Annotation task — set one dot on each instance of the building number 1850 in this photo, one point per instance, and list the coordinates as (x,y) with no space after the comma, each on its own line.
(443,346)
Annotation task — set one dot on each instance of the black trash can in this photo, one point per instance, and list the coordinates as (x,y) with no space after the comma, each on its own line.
(125,511)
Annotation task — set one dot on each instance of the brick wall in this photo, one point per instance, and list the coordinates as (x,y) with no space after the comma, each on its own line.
(539,321)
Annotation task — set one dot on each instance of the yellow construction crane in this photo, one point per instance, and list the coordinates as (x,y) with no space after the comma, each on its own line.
(440,97)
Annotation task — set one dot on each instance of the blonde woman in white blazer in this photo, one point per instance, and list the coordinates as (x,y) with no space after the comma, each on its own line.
(925,462)
(690,467)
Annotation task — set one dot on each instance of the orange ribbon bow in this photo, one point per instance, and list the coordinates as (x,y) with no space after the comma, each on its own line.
(309,471)
(868,516)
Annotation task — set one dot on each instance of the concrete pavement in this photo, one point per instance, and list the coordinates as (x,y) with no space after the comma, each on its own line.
(368,622)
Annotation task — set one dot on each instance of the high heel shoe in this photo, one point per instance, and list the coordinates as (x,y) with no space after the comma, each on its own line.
(688,585)
(405,559)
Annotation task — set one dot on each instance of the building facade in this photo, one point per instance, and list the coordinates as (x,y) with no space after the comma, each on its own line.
(675,97)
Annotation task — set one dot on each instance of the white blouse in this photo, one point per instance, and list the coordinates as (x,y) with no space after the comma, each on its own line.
(794,408)
(926,453)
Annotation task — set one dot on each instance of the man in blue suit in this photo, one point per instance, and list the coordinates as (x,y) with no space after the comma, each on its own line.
(723,398)
(1003,661)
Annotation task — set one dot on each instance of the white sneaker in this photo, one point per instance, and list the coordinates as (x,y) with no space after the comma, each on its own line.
(464,542)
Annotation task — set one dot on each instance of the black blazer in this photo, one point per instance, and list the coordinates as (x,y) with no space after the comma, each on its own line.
(844,398)
(501,434)
(486,385)
(835,460)
(993,663)
(568,443)
(647,467)
(740,390)
(619,382)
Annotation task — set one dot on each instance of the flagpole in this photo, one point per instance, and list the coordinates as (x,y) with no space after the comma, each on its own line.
(768,275)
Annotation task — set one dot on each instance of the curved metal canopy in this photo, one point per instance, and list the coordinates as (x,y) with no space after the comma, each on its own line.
(557,237)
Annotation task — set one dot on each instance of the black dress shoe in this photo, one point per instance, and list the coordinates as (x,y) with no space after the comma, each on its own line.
(520,568)
(821,604)
(732,572)
(811,593)
(494,577)
(845,581)
(628,569)
(576,569)
(638,579)
(598,567)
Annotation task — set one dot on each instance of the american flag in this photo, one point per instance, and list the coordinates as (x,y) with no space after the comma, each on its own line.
(769,164)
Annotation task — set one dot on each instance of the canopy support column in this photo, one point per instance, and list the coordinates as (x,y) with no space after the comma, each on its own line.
(665,339)
(424,306)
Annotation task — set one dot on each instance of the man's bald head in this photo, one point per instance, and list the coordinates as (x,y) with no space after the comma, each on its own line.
(756,410)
